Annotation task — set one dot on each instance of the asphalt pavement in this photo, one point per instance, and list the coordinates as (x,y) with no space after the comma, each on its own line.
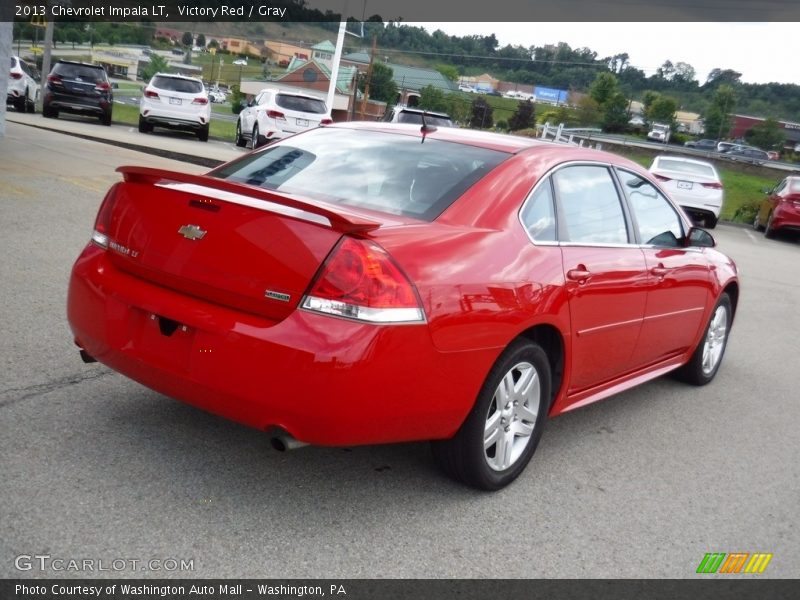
(94,466)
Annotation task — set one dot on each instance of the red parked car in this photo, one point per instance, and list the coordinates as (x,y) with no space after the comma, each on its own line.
(373,283)
(780,210)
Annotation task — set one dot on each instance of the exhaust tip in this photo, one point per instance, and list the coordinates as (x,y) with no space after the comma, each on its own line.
(282,441)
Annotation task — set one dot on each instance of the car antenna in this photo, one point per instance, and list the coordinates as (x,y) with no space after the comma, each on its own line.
(425,129)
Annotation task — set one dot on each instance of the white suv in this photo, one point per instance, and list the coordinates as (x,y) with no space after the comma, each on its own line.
(275,114)
(23,89)
(175,102)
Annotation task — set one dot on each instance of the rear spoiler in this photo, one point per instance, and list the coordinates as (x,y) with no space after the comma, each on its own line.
(212,188)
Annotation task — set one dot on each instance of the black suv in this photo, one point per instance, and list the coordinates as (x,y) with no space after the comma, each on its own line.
(77,87)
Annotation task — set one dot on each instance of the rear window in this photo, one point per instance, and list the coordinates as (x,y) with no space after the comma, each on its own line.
(416,118)
(374,170)
(84,72)
(13,62)
(176,84)
(301,103)
(685,167)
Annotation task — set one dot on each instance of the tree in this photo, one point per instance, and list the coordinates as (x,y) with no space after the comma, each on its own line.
(201,40)
(187,39)
(157,64)
(661,109)
(615,112)
(766,135)
(605,85)
(448,71)
(523,117)
(717,117)
(432,98)
(213,44)
(381,85)
(74,36)
(482,117)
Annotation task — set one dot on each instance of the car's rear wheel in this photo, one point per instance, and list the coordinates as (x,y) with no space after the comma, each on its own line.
(501,433)
(105,118)
(144,126)
(707,357)
(757,222)
(241,142)
(710,222)
(256,141)
(202,133)
(769,230)
(21,102)
(49,113)
(30,103)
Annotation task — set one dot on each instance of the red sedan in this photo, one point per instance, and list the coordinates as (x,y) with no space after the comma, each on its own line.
(376,283)
(780,210)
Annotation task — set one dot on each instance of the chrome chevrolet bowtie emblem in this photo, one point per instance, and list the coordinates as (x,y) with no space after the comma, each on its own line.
(192,232)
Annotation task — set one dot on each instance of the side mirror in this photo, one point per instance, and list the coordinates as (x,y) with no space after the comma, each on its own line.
(700,238)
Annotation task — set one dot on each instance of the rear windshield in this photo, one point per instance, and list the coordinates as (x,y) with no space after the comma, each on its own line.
(84,72)
(379,171)
(685,167)
(176,84)
(300,103)
(13,62)
(416,118)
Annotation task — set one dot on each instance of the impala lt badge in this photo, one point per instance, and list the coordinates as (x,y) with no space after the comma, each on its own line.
(192,232)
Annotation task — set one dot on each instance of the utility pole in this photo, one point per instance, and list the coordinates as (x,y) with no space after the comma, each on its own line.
(369,75)
(48,46)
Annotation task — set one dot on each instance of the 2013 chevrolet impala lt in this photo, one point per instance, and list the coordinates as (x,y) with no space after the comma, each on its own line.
(376,283)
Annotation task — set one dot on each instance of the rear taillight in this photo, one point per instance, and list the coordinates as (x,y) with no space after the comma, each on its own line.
(662,178)
(54,79)
(150,94)
(326,122)
(713,185)
(359,280)
(200,101)
(103,86)
(275,114)
(16,75)
(102,224)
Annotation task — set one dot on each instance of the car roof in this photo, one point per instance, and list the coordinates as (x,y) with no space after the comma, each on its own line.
(684,159)
(177,76)
(286,92)
(557,152)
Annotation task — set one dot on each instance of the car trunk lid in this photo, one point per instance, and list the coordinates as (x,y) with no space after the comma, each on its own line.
(228,243)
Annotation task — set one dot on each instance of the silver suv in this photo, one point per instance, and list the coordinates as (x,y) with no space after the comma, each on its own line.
(406,114)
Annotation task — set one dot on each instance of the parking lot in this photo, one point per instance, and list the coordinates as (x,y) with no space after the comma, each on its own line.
(95,466)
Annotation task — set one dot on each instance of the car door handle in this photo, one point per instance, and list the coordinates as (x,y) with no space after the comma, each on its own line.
(659,271)
(580,274)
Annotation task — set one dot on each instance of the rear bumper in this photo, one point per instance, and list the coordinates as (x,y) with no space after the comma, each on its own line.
(786,219)
(326,381)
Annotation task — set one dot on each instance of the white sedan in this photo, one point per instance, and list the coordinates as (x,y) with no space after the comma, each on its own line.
(693,184)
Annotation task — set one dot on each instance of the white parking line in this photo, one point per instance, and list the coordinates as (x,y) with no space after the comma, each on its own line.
(751,235)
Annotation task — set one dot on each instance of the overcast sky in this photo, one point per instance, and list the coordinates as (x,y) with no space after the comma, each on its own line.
(760,51)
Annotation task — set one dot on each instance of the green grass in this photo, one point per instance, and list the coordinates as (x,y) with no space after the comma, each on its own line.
(129,115)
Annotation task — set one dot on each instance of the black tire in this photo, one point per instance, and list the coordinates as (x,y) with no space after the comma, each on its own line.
(202,133)
(144,126)
(30,104)
(241,142)
(21,102)
(49,113)
(105,119)
(769,231)
(466,457)
(710,222)
(256,142)
(707,357)
(757,222)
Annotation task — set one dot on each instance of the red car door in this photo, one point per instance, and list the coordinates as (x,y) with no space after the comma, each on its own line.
(680,279)
(606,276)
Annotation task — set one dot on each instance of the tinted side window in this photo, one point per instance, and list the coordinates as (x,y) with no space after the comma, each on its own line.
(538,215)
(656,220)
(589,206)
